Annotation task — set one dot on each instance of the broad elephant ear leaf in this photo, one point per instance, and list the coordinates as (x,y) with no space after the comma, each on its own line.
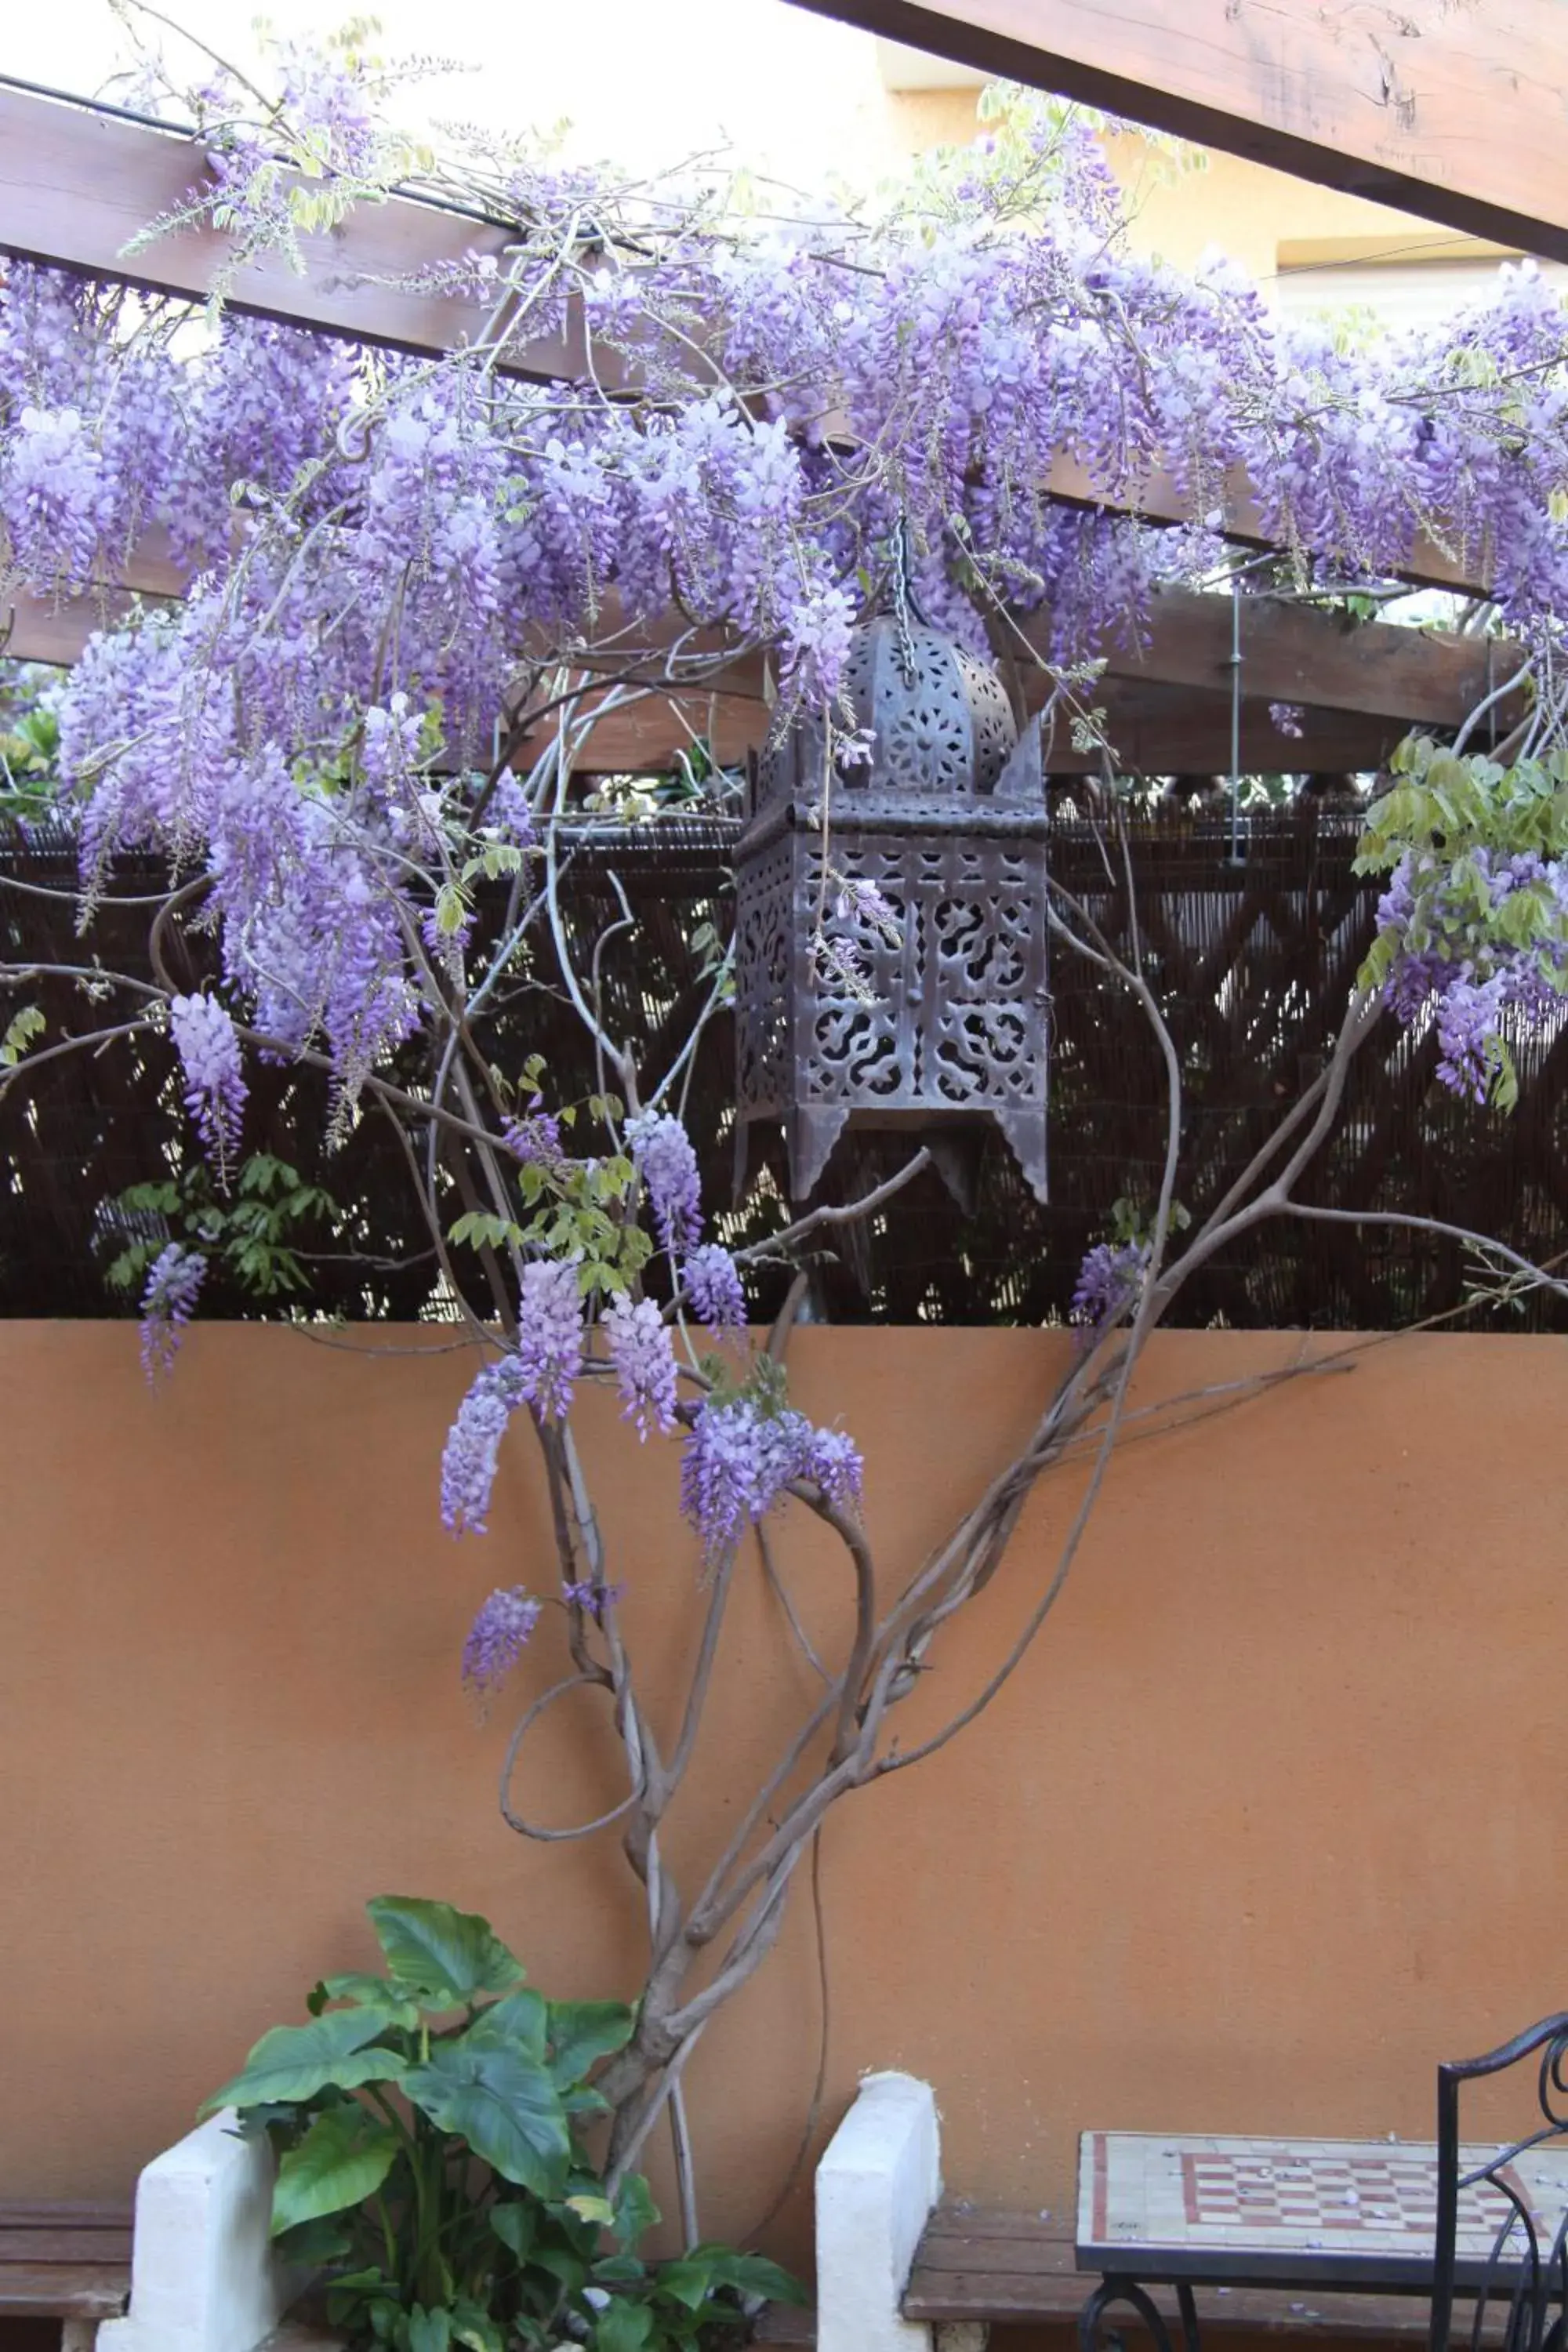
(750,2274)
(581,2032)
(445,1957)
(343,2159)
(294,2062)
(635,2212)
(506,2107)
(623,2326)
(366,1992)
(517,2022)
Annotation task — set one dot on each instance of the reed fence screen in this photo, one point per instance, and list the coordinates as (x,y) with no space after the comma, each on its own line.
(1252,957)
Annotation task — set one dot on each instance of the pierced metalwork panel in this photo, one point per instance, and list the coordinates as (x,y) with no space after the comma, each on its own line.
(950,1009)
(987,1034)
(764,965)
(858,975)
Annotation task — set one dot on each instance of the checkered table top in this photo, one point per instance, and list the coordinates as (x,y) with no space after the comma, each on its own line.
(1362,2209)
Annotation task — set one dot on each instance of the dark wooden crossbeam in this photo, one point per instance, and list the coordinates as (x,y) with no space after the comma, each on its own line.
(1156,729)
(77,185)
(1291,652)
(1455,113)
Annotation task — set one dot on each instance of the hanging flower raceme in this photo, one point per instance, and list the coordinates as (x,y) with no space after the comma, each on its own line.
(169,1298)
(56,498)
(498,1638)
(711,1281)
(473,1446)
(639,1350)
(664,1158)
(209,1053)
(1109,1282)
(740,1459)
(541,1374)
(549,1337)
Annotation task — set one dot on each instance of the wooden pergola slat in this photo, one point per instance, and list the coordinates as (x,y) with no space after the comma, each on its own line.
(1155,730)
(1453,113)
(1289,652)
(78,183)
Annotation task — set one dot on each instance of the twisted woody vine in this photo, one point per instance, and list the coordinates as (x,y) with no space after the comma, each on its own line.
(417,586)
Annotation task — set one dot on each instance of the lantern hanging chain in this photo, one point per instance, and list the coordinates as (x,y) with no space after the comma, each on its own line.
(901,600)
(1233,663)
(1235,667)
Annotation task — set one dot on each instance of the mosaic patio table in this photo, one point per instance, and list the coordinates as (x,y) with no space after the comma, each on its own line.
(1354,2216)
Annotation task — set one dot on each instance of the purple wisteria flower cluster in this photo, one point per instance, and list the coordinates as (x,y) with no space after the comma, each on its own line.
(711,1282)
(277,735)
(1109,1282)
(593,1598)
(639,1349)
(550,1331)
(709,1279)
(1466,969)
(498,1638)
(541,1372)
(664,1158)
(1473,926)
(473,1446)
(209,1053)
(741,1458)
(168,1301)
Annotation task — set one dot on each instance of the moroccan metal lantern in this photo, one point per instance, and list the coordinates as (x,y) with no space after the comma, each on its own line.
(890,919)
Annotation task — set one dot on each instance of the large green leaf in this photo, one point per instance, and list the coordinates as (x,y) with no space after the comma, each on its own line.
(581,2032)
(569,2270)
(504,2105)
(429,2331)
(623,2326)
(689,2279)
(316,2245)
(635,2212)
(343,2159)
(750,2274)
(516,2224)
(474,2331)
(516,2022)
(448,1957)
(296,2061)
(366,1992)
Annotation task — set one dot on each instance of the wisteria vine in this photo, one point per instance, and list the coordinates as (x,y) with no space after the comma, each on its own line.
(415,586)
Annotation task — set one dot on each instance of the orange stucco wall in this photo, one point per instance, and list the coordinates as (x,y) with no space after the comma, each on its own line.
(1271,1820)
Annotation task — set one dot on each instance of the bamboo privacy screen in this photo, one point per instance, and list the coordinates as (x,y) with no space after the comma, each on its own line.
(1252,959)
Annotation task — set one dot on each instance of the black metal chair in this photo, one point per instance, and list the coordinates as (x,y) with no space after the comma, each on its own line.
(1525,2268)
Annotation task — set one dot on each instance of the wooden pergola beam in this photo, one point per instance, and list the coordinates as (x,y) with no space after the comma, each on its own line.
(1291,653)
(78,183)
(1452,110)
(1157,730)
(1300,653)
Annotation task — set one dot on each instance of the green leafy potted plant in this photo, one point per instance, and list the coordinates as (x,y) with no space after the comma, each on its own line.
(428,2129)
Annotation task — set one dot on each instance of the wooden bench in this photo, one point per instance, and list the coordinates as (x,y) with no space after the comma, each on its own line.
(1005,2268)
(70,2262)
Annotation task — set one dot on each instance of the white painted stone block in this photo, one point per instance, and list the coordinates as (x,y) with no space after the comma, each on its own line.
(204,2277)
(880,2176)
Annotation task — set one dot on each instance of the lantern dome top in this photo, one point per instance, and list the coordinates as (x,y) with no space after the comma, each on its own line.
(941,727)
